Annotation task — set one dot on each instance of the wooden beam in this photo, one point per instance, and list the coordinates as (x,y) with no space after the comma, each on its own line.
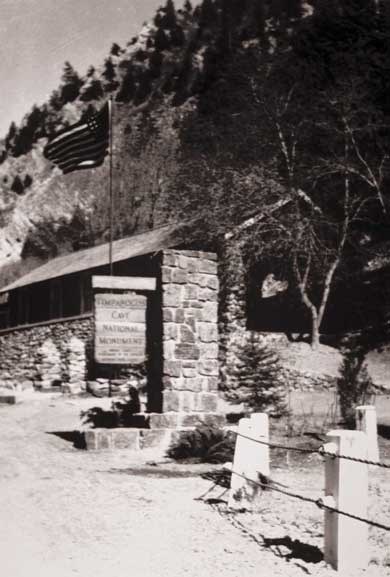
(124,282)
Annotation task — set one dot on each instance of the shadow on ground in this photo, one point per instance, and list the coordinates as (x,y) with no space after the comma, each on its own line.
(297,549)
(153,471)
(77,438)
(283,547)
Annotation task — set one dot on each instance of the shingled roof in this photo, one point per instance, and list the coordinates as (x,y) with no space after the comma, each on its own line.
(123,249)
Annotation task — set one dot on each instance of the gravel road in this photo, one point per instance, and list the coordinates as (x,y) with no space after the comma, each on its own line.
(69,512)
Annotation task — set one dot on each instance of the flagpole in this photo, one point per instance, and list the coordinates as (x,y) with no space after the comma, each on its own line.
(111,205)
(110,136)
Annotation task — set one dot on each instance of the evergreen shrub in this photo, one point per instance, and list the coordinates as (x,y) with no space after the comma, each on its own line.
(354,385)
(258,376)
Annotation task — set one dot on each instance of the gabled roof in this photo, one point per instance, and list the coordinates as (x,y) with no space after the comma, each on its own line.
(123,249)
(256,217)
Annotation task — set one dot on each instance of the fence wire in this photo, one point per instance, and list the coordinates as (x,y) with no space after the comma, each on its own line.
(321,451)
(318,450)
(277,445)
(271,486)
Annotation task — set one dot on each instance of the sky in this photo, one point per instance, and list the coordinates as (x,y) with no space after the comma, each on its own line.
(38,36)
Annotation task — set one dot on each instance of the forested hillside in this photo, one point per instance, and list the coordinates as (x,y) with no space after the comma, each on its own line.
(221,111)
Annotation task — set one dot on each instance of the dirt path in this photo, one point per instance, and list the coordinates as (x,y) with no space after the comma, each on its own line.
(68,512)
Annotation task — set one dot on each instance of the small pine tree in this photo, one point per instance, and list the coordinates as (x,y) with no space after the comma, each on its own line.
(177,36)
(155,62)
(93,91)
(168,19)
(109,75)
(354,386)
(258,376)
(161,40)
(55,102)
(115,49)
(140,55)
(71,84)
(208,13)
(187,7)
(10,138)
(127,90)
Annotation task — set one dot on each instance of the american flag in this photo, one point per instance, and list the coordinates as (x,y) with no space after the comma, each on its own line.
(82,145)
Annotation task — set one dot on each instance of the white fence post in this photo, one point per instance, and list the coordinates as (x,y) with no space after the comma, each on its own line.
(366,422)
(346,489)
(250,459)
(260,431)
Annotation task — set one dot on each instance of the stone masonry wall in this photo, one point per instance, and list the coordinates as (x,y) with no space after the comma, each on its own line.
(232,318)
(188,354)
(190,331)
(44,354)
(308,375)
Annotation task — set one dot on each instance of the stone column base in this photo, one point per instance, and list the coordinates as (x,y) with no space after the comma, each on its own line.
(135,439)
(188,401)
(73,388)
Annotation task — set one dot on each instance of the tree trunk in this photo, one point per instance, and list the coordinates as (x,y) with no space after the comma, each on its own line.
(315,329)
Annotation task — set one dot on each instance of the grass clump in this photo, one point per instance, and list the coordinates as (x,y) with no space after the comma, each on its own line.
(204,444)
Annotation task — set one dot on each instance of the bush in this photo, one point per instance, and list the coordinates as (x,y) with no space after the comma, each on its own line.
(204,445)
(354,386)
(258,376)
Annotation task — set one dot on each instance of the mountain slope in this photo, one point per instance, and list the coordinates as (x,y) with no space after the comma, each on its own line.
(193,136)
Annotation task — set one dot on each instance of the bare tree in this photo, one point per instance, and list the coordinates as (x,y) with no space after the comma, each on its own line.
(333,166)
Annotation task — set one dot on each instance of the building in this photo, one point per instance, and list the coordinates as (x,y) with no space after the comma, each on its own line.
(47,336)
(61,288)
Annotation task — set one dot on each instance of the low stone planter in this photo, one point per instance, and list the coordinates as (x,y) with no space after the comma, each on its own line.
(132,439)
(7,399)
(150,431)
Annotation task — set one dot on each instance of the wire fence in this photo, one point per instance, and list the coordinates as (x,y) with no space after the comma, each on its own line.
(271,485)
(318,450)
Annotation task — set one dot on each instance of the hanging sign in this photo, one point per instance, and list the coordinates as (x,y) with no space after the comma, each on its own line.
(120,328)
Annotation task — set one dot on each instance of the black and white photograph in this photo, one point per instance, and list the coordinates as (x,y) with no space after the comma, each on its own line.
(195,288)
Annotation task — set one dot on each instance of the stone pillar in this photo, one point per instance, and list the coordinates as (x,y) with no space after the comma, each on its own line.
(49,365)
(76,366)
(190,331)
(232,320)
